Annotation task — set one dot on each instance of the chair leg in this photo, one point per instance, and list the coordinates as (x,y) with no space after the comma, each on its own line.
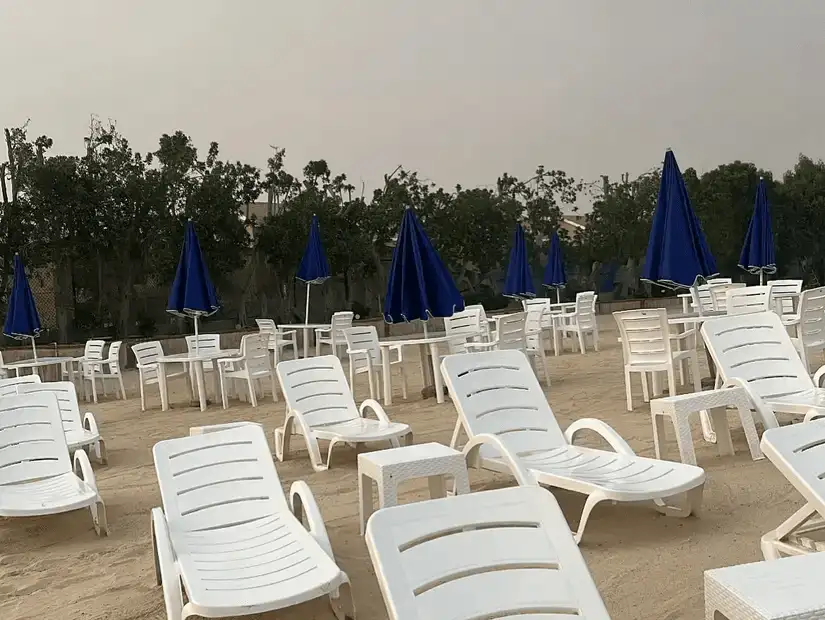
(122,389)
(595,338)
(581,342)
(94,387)
(645,390)
(253,398)
(274,384)
(544,365)
(371,380)
(142,394)
(671,380)
(224,401)
(627,392)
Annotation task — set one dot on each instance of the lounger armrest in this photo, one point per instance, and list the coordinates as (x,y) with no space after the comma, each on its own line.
(765,412)
(83,469)
(604,430)
(302,502)
(89,423)
(472,456)
(818,376)
(376,408)
(166,571)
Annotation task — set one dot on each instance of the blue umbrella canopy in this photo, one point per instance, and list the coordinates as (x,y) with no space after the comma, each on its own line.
(554,274)
(192,293)
(419,285)
(758,255)
(314,268)
(677,252)
(518,282)
(22,320)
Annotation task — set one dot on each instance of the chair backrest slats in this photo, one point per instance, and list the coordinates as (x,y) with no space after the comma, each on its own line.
(256,354)
(146,355)
(364,339)
(465,323)
(511,331)
(748,300)
(206,343)
(783,294)
(94,349)
(586,309)
(645,336)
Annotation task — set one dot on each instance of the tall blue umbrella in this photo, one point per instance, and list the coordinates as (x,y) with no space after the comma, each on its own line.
(758,254)
(314,268)
(677,252)
(419,286)
(22,320)
(518,282)
(554,274)
(192,294)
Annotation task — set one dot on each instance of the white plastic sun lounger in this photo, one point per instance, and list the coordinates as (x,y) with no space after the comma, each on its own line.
(319,405)
(228,537)
(497,554)
(79,433)
(511,426)
(798,452)
(36,476)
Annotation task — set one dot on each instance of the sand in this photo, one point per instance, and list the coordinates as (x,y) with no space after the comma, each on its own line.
(646,566)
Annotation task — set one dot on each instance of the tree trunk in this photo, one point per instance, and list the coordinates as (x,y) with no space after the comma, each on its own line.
(3,167)
(63,296)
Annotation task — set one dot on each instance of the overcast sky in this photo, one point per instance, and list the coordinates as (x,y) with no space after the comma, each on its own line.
(460,90)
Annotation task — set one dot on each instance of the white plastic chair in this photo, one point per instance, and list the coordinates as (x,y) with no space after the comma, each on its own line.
(206,343)
(79,433)
(333,336)
(701,299)
(103,370)
(784,296)
(466,323)
(494,554)
(511,428)
(278,340)
(482,320)
(320,406)
(582,322)
(511,333)
(4,373)
(534,337)
(253,365)
(146,356)
(647,347)
(365,357)
(719,293)
(228,537)
(36,475)
(810,328)
(748,300)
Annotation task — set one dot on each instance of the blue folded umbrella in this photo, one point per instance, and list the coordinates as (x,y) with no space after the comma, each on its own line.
(677,252)
(314,268)
(22,319)
(192,294)
(758,255)
(554,274)
(419,286)
(518,282)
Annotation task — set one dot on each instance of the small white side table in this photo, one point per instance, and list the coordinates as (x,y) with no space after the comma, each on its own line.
(214,428)
(680,408)
(785,589)
(389,468)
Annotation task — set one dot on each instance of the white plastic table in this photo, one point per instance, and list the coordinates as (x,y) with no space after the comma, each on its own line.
(40,362)
(306,328)
(197,360)
(430,372)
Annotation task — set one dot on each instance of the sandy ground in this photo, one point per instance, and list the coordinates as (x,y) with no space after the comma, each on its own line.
(647,566)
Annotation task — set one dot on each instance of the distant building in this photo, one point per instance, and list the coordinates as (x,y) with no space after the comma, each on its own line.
(573,224)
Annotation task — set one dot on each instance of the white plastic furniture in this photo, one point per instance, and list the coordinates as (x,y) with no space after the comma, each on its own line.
(681,408)
(534,339)
(810,328)
(206,344)
(798,452)
(784,296)
(320,406)
(8,386)
(389,468)
(333,336)
(278,340)
(41,362)
(3,372)
(748,300)
(702,299)
(80,433)
(511,333)
(36,474)
(108,368)
(582,322)
(466,323)
(511,428)
(364,351)
(229,538)
(496,554)
(483,321)
(146,356)
(252,365)
(647,347)
(788,589)
(720,291)
(217,428)
(755,352)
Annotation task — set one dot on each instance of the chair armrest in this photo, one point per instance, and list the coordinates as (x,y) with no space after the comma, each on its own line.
(229,360)
(357,352)
(323,330)
(377,409)
(683,335)
(397,348)
(303,504)
(472,457)
(286,332)
(604,430)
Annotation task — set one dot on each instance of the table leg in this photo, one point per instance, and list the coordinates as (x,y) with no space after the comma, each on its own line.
(216,380)
(164,395)
(426,367)
(201,386)
(365,505)
(385,376)
(555,338)
(720,425)
(306,342)
(438,382)
(685,305)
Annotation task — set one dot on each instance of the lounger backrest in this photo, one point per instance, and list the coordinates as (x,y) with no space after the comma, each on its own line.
(493,554)
(812,317)
(748,300)
(316,388)
(497,392)
(757,349)
(66,399)
(32,441)
(363,338)
(798,451)
(216,480)
(8,387)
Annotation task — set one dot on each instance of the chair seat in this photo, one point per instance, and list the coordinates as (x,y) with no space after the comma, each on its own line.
(618,477)
(77,438)
(57,494)
(361,430)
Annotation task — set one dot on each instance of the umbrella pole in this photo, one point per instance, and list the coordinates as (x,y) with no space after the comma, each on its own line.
(425,329)
(34,349)
(558,295)
(306,312)
(197,346)
(761,278)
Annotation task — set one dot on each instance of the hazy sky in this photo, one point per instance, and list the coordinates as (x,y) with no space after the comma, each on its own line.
(460,90)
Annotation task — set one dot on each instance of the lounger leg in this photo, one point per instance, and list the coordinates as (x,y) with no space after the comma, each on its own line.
(691,504)
(99,448)
(771,541)
(589,505)
(456,433)
(343,605)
